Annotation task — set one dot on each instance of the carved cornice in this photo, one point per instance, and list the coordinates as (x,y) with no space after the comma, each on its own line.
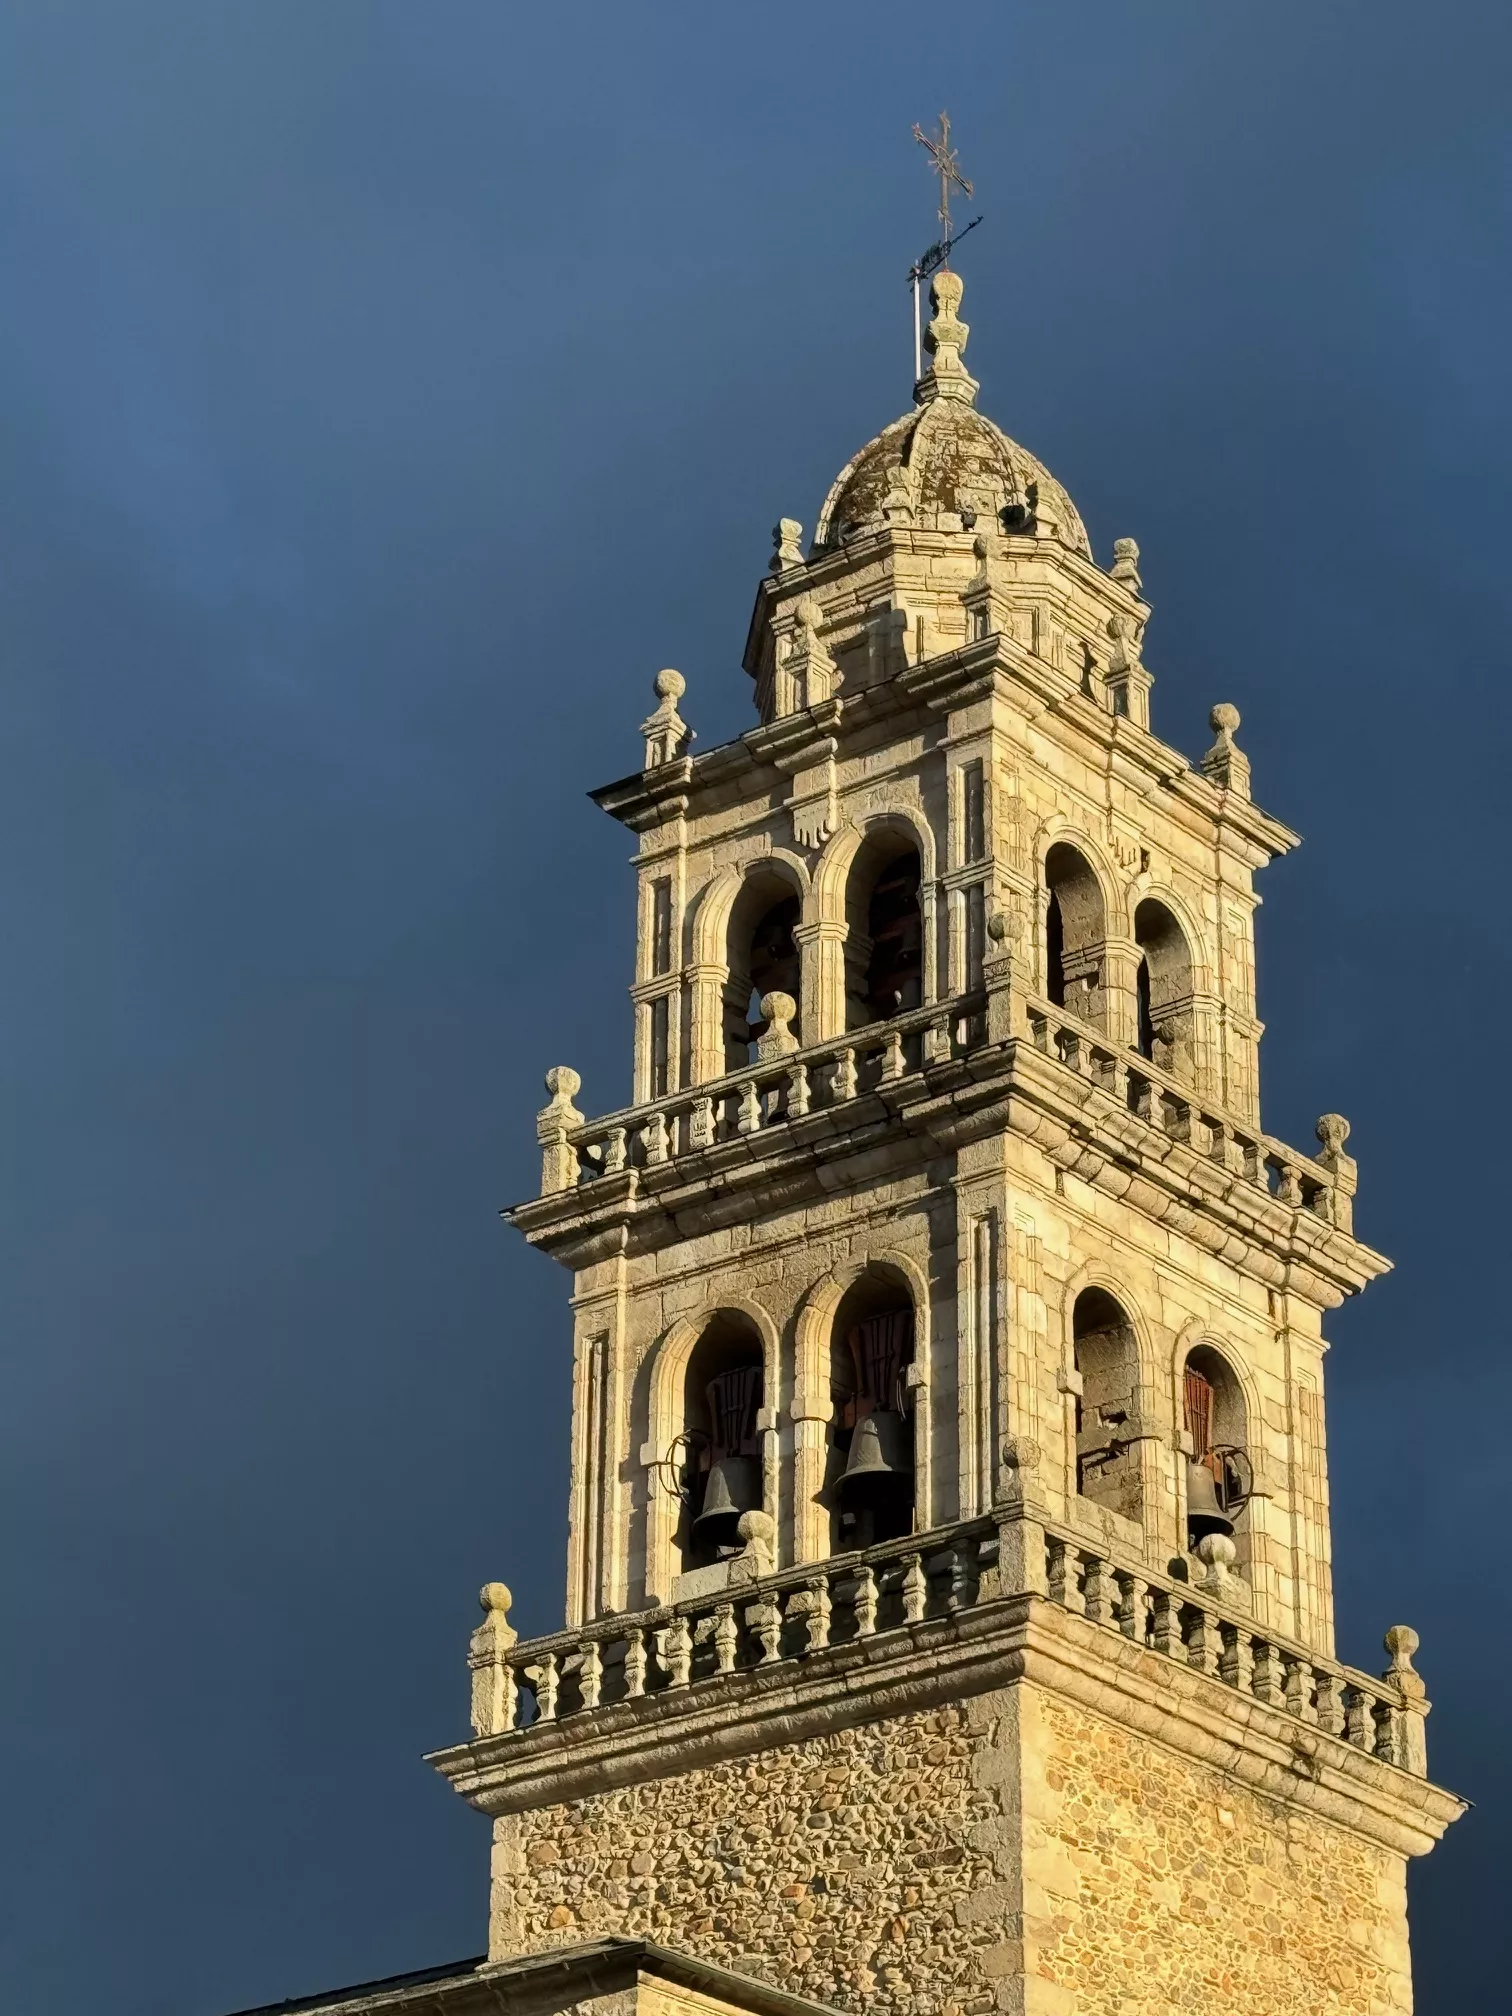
(1014,1640)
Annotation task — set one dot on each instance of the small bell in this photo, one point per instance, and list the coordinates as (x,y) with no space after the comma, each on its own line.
(1205,1513)
(880,1463)
(733,1487)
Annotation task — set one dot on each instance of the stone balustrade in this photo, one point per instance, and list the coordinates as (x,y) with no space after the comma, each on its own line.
(796,1085)
(891,1589)
(1324,1187)
(775,1090)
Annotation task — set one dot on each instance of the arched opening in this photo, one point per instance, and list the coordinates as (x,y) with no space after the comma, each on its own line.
(1213,1415)
(1107,1407)
(1075,931)
(762,958)
(884,965)
(715,1464)
(1164,985)
(870,1482)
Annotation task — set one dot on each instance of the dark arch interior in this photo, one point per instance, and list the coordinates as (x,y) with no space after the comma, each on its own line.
(884,913)
(723,1391)
(1074,931)
(763,958)
(871,1471)
(1107,1408)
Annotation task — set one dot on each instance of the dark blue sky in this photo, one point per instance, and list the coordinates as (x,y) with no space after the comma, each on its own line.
(386,391)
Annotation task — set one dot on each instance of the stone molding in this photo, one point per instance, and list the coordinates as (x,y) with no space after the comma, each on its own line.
(937,1660)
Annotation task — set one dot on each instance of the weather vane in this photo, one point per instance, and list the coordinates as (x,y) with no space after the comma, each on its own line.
(946,164)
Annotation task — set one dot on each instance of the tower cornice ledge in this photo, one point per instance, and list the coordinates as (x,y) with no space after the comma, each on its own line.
(991,666)
(974,1648)
(1212,1187)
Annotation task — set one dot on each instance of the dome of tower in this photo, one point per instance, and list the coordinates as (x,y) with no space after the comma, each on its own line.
(945,457)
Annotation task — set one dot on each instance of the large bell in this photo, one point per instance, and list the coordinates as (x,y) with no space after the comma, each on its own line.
(733,1486)
(880,1460)
(1204,1512)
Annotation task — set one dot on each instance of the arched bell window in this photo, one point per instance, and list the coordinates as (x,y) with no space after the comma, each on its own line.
(871,1468)
(1107,1407)
(762,958)
(1075,933)
(885,929)
(715,1464)
(1219,1472)
(1164,989)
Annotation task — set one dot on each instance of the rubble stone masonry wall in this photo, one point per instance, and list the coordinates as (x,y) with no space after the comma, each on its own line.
(1011,1853)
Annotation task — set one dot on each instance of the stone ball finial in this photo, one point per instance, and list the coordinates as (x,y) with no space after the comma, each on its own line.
(999,927)
(1224,719)
(669,685)
(946,290)
(758,1526)
(980,547)
(562,1082)
(778,1007)
(1021,1453)
(495,1598)
(808,612)
(1126,549)
(1214,1549)
(1333,1131)
(1401,1641)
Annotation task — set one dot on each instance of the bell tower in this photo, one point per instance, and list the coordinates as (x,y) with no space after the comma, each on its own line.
(949,1618)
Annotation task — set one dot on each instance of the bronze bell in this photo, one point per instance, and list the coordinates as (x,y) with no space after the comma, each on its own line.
(880,1460)
(1205,1513)
(732,1487)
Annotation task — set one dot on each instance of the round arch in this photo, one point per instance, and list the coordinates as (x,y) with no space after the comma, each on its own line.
(664,1420)
(812,1408)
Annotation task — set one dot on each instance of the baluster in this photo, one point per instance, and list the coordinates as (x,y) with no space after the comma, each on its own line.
(749,1121)
(1097,1591)
(817,1616)
(764,1620)
(679,1652)
(547,1681)
(1359,1727)
(798,1092)
(1330,1707)
(1386,1746)
(1299,1690)
(614,1151)
(1039,1032)
(726,1638)
(1289,1188)
(1237,1665)
(1133,1606)
(701,1124)
(893,1064)
(915,1590)
(1165,1623)
(938,1042)
(1147,1102)
(958,1581)
(1118,1081)
(1203,1645)
(1065,1576)
(635,1664)
(1266,1685)
(866,1601)
(591,1672)
(654,1138)
(843,1077)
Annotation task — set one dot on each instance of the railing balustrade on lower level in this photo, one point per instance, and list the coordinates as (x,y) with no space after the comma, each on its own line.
(902,1586)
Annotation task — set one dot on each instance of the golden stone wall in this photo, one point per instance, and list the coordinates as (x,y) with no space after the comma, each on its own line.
(1015,1852)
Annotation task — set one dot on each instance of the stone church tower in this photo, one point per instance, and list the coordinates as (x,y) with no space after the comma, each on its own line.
(949,1604)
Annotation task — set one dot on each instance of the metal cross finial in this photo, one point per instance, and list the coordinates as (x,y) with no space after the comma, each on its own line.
(946,166)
